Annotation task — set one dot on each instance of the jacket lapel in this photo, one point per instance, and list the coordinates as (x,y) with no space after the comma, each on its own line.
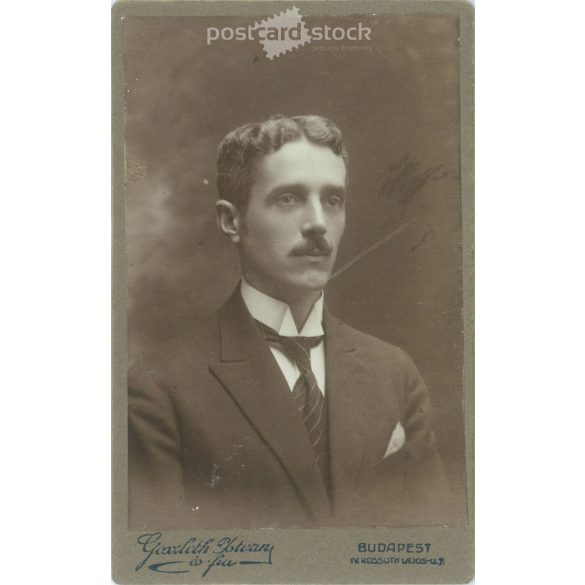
(248,371)
(347,397)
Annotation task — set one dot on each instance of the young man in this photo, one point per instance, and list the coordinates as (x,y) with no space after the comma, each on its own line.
(272,412)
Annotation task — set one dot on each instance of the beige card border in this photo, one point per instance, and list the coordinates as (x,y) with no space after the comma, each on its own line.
(333,546)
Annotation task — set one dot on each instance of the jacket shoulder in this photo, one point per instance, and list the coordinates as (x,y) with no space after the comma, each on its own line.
(373,346)
(384,360)
(195,344)
(389,364)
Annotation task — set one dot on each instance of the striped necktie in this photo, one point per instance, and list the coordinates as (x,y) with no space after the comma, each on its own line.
(307,395)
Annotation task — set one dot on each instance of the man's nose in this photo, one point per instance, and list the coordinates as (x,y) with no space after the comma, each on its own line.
(314,220)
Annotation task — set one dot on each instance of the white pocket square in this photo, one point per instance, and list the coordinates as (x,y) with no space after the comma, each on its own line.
(397,441)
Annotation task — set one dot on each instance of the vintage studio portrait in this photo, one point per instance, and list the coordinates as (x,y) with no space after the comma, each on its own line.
(294,280)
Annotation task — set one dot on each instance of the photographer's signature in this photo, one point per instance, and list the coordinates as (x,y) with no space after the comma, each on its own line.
(200,554)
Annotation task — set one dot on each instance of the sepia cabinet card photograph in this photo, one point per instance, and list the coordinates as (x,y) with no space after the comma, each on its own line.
(292,292)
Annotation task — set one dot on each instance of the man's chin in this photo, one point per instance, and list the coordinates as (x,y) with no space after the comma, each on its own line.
(313,280)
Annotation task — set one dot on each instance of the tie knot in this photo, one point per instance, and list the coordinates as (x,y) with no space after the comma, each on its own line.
(308,343)
(297,348)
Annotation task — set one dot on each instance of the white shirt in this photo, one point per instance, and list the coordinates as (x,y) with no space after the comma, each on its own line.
(277,315)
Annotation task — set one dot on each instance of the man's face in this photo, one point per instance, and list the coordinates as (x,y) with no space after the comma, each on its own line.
(294,220)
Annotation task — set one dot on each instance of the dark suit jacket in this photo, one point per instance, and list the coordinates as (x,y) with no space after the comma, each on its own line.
(215,440)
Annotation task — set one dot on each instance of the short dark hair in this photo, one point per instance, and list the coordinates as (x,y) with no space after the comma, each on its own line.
(241,148)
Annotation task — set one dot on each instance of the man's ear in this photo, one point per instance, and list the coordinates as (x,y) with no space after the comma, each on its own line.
(228,220)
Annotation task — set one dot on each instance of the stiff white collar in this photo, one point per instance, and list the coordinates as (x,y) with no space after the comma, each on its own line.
(277,315)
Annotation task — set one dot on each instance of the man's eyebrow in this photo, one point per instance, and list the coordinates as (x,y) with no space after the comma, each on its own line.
(327,190)
(296,188)
(330,190)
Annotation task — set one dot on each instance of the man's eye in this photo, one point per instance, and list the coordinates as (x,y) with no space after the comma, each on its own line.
(334,201)
(287,199)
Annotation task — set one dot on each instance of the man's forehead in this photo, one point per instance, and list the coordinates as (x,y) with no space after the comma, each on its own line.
(301,161)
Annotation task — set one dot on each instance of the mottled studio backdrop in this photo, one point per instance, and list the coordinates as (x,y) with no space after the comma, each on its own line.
(396,100)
